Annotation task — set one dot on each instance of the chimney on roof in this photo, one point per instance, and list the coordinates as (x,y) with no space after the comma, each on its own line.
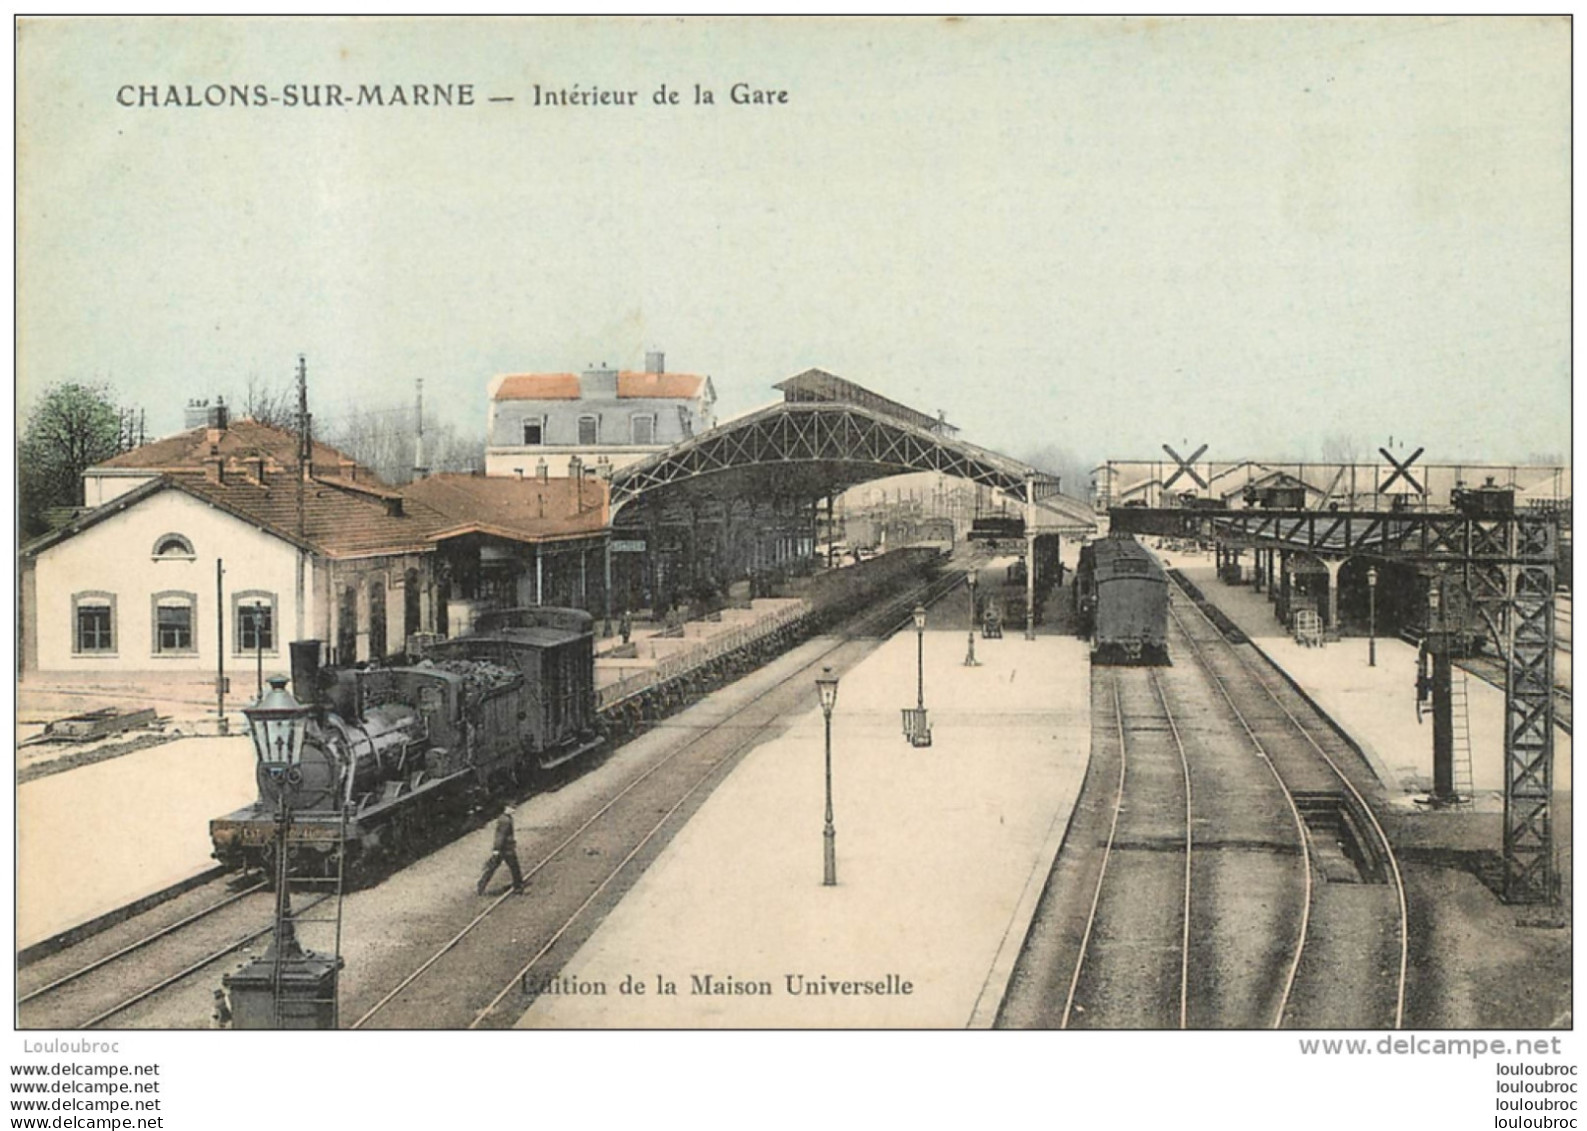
(598,382)
(256,466)
(655,361)
(196,414)
(216,419)
(348,469)
(215,469)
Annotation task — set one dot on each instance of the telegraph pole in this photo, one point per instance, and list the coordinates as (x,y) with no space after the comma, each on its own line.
(305,458)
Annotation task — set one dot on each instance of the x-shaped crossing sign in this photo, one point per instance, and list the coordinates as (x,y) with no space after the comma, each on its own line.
(1186,469)
(1402,471)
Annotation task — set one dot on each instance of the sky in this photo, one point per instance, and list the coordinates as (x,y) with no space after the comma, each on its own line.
(1082,237)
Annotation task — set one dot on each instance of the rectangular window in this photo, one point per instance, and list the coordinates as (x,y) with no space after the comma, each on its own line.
(534,431)
(173,625)
(588,430)
(94,627)
(256,627)
(644,429)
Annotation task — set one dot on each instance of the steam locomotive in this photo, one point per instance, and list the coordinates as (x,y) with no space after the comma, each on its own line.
(396,758)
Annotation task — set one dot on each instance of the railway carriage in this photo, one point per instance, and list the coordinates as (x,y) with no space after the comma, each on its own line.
(1121,602)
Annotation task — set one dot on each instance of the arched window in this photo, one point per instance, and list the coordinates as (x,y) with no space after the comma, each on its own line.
(175,546)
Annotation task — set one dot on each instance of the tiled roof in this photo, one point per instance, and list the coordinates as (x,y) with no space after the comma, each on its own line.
(685,386)
(240,441)
(524,510)
(538,387)
(565,386)
(337,521)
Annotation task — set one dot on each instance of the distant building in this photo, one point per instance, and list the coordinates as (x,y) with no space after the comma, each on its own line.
(601,418)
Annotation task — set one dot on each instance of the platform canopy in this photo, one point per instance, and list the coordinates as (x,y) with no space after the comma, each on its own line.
(815,449)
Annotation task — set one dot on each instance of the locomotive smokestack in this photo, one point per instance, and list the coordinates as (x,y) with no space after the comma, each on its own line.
(306,670)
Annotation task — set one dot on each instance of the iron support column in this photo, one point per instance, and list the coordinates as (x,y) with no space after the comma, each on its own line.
(1030,557)
(607,631)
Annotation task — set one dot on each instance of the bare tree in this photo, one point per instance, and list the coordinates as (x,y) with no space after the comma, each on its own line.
(452,450)
(1073,471)
(276,406)
(1340,448)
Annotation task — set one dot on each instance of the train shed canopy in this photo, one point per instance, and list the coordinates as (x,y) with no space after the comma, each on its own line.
(816,448)
(819,385)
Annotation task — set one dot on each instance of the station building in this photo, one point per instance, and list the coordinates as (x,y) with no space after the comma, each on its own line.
(213,548)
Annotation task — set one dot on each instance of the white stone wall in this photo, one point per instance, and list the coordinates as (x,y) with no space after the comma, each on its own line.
(100,488)
(116,556)
(508,461)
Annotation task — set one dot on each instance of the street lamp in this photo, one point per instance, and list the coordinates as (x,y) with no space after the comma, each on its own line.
(258,647)
(827,688)
(969,660)
(1372,616)
(916,729)
(286,987)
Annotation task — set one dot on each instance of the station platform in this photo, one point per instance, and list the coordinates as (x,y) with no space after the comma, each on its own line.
(1375,705)
(942,853)
(650,649)
(97,837)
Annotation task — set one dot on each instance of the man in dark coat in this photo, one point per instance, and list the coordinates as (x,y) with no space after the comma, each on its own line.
(503,848)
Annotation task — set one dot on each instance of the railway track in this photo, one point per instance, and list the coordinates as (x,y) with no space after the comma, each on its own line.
(106,980)
(1147,854)
(1352,956)
(166,962)
(485,974)
(1225,889)
(1200,828)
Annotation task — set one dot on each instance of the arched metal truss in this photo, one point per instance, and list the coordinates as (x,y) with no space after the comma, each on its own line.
(820,448)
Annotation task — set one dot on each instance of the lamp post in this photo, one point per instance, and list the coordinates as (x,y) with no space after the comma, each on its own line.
(969,660)
(916,729)
(920,657)
(286,987)
(827,689)
(258,647)
(1372,616)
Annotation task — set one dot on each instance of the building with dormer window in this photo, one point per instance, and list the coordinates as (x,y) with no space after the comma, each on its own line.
(558,423)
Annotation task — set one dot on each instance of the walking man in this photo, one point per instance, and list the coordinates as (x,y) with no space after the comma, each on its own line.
(221,1017)
(504,848)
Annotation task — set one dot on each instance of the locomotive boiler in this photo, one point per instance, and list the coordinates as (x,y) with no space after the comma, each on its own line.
(389,760)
